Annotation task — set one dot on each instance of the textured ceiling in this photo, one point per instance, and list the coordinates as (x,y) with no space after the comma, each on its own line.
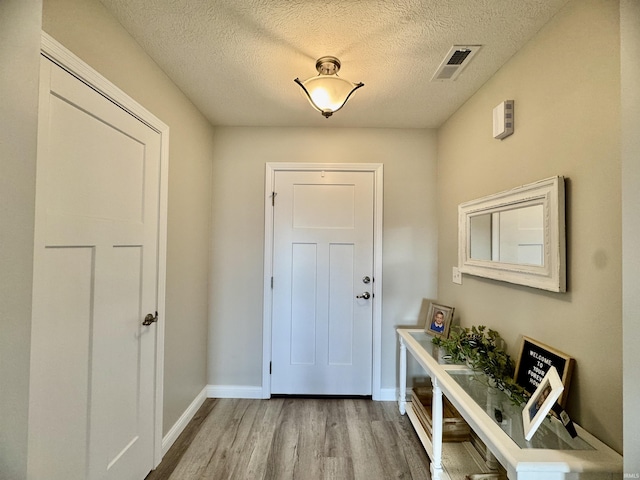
(236,59)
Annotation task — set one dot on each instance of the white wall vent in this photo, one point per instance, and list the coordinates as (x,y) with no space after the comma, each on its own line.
(454,62)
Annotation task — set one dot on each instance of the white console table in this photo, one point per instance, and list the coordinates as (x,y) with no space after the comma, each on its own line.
(550,455)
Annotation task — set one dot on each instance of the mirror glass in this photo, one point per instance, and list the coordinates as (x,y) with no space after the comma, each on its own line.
(516,236)
(509,236)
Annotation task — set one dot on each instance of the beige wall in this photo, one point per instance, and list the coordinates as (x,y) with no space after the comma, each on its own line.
(20,24)
(409,230)
(565,84)
(630,73)
(89,31)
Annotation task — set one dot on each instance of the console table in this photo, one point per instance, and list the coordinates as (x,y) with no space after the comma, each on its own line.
(550,455)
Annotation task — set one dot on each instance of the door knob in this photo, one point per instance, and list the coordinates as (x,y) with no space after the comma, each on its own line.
(365,295)
(150,318)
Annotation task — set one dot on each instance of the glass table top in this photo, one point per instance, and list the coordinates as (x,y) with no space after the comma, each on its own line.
(425,341)
(550,435)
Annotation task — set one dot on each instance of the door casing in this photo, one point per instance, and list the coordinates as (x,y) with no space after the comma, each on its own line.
(59,55)
(270,171)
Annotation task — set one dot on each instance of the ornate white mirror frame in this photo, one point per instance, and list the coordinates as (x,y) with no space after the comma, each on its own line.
(548,272)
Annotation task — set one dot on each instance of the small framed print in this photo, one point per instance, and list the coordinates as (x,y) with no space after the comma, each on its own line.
(438,320)
(541,402)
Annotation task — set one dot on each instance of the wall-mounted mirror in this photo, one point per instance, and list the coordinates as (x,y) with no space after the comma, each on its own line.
(517,236)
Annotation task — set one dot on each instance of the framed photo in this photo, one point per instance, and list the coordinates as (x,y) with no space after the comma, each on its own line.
(438,320)
(541,402)
(534,361)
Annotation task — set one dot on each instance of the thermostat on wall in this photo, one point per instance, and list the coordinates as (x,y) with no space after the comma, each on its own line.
(503,120)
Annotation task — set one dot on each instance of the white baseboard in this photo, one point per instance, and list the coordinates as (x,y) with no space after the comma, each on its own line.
(172,435)
(233,391)
(388,395)
(242,391)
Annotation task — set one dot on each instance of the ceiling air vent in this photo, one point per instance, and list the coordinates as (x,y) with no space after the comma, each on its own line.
(457,58)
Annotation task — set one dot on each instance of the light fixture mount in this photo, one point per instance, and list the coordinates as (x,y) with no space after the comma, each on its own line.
(327,92)
(328,65)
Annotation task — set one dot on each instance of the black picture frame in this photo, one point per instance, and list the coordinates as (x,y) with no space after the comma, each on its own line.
(534,361)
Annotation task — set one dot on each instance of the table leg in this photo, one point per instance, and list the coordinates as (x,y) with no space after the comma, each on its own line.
(436,416)
(402,396)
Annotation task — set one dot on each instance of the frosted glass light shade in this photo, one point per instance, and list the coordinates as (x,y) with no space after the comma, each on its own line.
(327,92)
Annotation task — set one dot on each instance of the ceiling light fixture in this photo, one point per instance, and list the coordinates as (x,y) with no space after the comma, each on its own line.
(327,92)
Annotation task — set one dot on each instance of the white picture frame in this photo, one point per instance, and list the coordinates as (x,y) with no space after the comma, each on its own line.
(541,402)
(550,274)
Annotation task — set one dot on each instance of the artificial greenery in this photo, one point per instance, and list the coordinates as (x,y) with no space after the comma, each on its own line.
(481,349)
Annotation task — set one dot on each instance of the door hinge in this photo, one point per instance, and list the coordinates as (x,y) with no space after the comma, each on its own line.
(273,199)
(271,283)
(150,318)
(270,365)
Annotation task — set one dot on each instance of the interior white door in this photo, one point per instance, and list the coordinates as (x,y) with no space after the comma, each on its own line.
(323,250)
(95,278)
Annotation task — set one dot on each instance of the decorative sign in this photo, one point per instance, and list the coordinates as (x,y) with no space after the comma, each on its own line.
(534,362)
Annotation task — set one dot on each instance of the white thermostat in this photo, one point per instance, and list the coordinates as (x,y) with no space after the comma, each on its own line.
(503,120)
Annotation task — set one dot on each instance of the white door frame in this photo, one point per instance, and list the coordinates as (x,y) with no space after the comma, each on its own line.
(62,57)
(271,169)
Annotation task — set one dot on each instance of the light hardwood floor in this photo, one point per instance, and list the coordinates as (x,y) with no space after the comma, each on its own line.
(296,438)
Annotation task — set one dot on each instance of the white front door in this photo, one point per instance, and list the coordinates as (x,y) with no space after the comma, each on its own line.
(92,407)
(322,252)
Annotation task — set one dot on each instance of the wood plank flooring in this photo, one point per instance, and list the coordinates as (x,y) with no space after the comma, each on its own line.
(296,438)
